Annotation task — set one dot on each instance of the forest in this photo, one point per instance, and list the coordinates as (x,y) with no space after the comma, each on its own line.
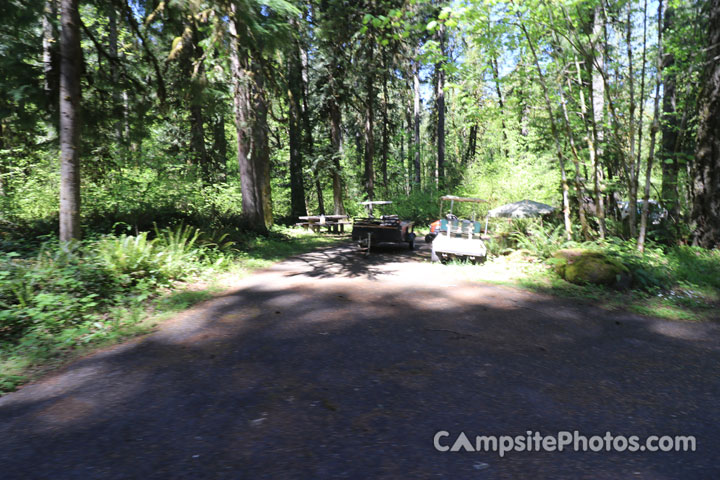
(140,137)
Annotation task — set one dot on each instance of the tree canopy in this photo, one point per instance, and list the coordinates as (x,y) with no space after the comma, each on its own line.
(256,112)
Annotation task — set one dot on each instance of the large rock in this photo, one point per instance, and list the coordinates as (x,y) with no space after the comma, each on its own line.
(586,266)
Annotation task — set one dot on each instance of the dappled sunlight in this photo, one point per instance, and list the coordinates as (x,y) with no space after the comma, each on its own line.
(282,366)
(703,333)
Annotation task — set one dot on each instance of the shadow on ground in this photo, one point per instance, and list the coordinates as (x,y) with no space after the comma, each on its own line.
(347,261)
(312,378)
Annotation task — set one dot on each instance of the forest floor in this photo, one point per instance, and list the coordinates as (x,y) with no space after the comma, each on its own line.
(333,365)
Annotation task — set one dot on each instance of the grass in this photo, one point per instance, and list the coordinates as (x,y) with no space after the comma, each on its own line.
(140,283)
(680,283)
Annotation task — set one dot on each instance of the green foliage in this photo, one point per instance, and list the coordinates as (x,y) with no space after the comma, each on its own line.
(60,287)
(129,257)
(66,296)
(541,241)
(66,285)
(421,207)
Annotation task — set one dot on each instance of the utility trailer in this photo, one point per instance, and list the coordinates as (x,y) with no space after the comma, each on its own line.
(454,238)
(371,230)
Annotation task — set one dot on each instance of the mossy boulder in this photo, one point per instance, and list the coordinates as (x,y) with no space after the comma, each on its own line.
(586,266)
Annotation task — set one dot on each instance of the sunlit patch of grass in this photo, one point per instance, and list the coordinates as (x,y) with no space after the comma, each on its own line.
(177,301)
(685,301)
(663,310)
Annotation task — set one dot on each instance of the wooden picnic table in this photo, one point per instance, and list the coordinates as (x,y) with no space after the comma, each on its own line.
(334,223)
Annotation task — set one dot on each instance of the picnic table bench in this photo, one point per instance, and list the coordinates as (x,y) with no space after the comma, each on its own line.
(333,223)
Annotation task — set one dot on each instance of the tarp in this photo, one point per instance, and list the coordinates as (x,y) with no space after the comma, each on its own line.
(521,209)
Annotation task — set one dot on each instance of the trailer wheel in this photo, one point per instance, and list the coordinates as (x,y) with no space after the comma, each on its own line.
(411,241)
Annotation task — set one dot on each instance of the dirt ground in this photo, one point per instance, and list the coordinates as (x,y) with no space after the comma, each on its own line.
(333,365)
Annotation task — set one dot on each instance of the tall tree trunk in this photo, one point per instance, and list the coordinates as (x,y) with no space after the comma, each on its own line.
(219,147)
(197,141)
(554,132)
(472,144)
(70,68)
(638,162)
(3,189)
(653,134)
(410,155)
(308,144)
(670,144)
(579,187)
(195,71)
(501,104)
(295,129)
(385,131)
(706,170)
(319,192)
(629,163)
(369,137)
(336,141)
(50,53)
(254,177)
(117,108)
(440,71)
(416,123)
(260,142)
(405,168)
(597,66)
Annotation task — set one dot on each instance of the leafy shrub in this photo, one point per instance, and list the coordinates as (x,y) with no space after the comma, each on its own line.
(420,207)
(176,251)
(129,257)
(541,241)
(59,287)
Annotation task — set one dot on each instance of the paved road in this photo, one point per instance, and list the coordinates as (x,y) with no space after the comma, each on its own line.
(331,365)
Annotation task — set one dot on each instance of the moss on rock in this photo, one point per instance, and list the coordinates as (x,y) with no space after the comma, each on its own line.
(585,266)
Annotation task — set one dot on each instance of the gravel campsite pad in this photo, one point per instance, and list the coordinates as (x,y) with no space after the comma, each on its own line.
(333,365)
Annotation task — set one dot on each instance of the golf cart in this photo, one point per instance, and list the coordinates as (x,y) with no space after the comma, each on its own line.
(452,237)
(373,230)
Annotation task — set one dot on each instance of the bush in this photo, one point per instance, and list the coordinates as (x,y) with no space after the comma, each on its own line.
(541,241)
(58,288)
(422,207)
(74,283)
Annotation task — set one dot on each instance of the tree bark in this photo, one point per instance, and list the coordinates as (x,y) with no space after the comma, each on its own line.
(369,138)
(501,104)
(70,68)
(706,170)
(596,65)
(308,144)
(630,172)
(472,144)
(295,130)
(197,141)
(385,131)
(670,144)
(260,144)
(416,123)
(554,132)
(653,134)
(50,54)
(579,186)
(440,105)
(117,107)
(253,183)
(336,141)
(219,147)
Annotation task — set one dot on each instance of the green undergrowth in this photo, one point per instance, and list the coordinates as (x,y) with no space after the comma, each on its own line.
(62,300)
(678,282)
